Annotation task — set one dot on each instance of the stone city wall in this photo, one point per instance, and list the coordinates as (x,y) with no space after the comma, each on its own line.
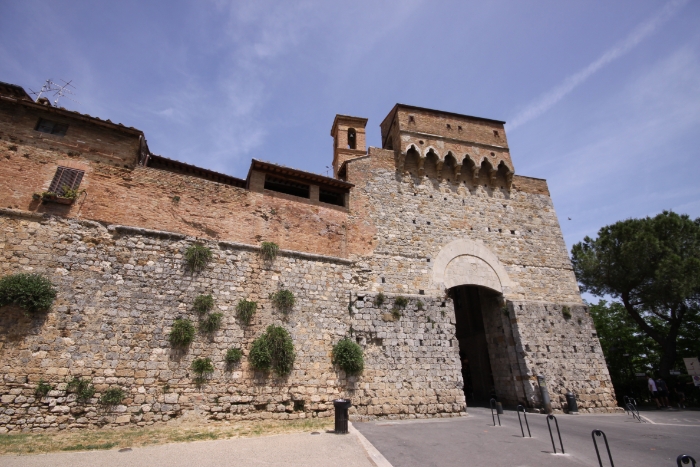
(119,291)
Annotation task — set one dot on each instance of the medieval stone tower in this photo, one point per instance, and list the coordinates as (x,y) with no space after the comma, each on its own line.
(430,252)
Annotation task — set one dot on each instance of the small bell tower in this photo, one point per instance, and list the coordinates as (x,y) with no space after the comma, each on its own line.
(349,140)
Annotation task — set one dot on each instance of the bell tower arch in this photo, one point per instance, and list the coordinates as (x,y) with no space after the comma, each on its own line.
(349,139)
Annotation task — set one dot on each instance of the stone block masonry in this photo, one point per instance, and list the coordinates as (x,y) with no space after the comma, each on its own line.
(436,215)
(120,289)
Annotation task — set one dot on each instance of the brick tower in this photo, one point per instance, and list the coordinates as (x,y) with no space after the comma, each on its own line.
(348,139)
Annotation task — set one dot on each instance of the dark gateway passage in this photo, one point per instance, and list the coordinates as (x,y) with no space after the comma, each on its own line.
(469,302)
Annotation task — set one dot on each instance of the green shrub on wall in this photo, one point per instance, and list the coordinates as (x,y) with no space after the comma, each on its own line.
(233,356)
(379,300)
(211,323)
(203,303)
(42,389)
(273,350)
(347,354)
(566,312)
(269,250)
(284,300)
(197,256)
(400,302)
(203,368)
(81,388)
(245,310)
(182,333)
(112,397)
(32,292)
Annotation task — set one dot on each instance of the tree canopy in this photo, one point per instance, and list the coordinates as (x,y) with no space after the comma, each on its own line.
(652,266)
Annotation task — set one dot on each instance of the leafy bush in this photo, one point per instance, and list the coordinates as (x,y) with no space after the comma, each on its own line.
(203,303)
(197,256)
(202,367)
(284,300)
(211,323)
(379,300)
(112,396)
(274,350)
(400,302)
(269,250)
(347,354)
(566,311)
(245,310)
(182,333)
(32,292)
(42,389)
(233,356)
(82,388)
(419,305)
(396,312)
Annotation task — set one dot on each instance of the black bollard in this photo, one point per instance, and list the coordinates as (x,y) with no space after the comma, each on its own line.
(341,415)
(571,402)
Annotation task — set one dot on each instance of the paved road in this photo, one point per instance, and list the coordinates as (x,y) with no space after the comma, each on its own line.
(295,450)
(474,441)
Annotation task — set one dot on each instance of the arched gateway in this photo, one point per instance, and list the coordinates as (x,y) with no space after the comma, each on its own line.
(477,282)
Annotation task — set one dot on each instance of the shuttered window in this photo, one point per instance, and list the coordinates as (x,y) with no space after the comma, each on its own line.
(54,128)
(66,178)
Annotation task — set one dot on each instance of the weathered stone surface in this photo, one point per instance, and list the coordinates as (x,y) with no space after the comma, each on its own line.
(437,209)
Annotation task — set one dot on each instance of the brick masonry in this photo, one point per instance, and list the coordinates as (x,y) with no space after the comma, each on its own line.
(418,223)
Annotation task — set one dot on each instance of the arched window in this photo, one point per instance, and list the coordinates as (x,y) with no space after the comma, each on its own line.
(352,138)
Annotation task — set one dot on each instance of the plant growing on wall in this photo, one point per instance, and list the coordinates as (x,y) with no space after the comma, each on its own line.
(112,397)
(32,292)
(284,300)
(203,303)
(419,305)
(566,312)
(69,193)
(182,333)
(269,250)
(203,368)
(233,356)
(273,350)
(81,388)
(245,310)
(379,300)
(197,256)
(42,389)
(211,323)
(401,302)
(347,354)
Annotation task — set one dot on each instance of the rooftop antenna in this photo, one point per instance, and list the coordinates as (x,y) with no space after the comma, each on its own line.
(61,91)
(327,169)
(48,86)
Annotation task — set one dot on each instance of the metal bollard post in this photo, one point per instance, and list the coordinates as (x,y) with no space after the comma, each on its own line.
(552,417)
(684,459)
(521,423)
(492,403)
(595,433)
(546,402)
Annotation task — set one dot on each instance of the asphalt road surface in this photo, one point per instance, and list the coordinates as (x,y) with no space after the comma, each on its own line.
(474,441)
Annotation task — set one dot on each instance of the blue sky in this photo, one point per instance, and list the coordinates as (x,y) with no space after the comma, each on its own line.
(602,98)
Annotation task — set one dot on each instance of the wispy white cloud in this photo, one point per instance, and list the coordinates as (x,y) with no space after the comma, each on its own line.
(552,97)
(633,161)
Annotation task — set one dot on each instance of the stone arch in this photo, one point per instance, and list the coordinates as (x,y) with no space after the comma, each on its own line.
(466,262)
(415,148)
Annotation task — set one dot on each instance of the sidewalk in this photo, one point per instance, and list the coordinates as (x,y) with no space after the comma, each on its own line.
(289,450)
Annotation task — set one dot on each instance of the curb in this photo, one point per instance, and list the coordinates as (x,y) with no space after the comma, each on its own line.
(373,454)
